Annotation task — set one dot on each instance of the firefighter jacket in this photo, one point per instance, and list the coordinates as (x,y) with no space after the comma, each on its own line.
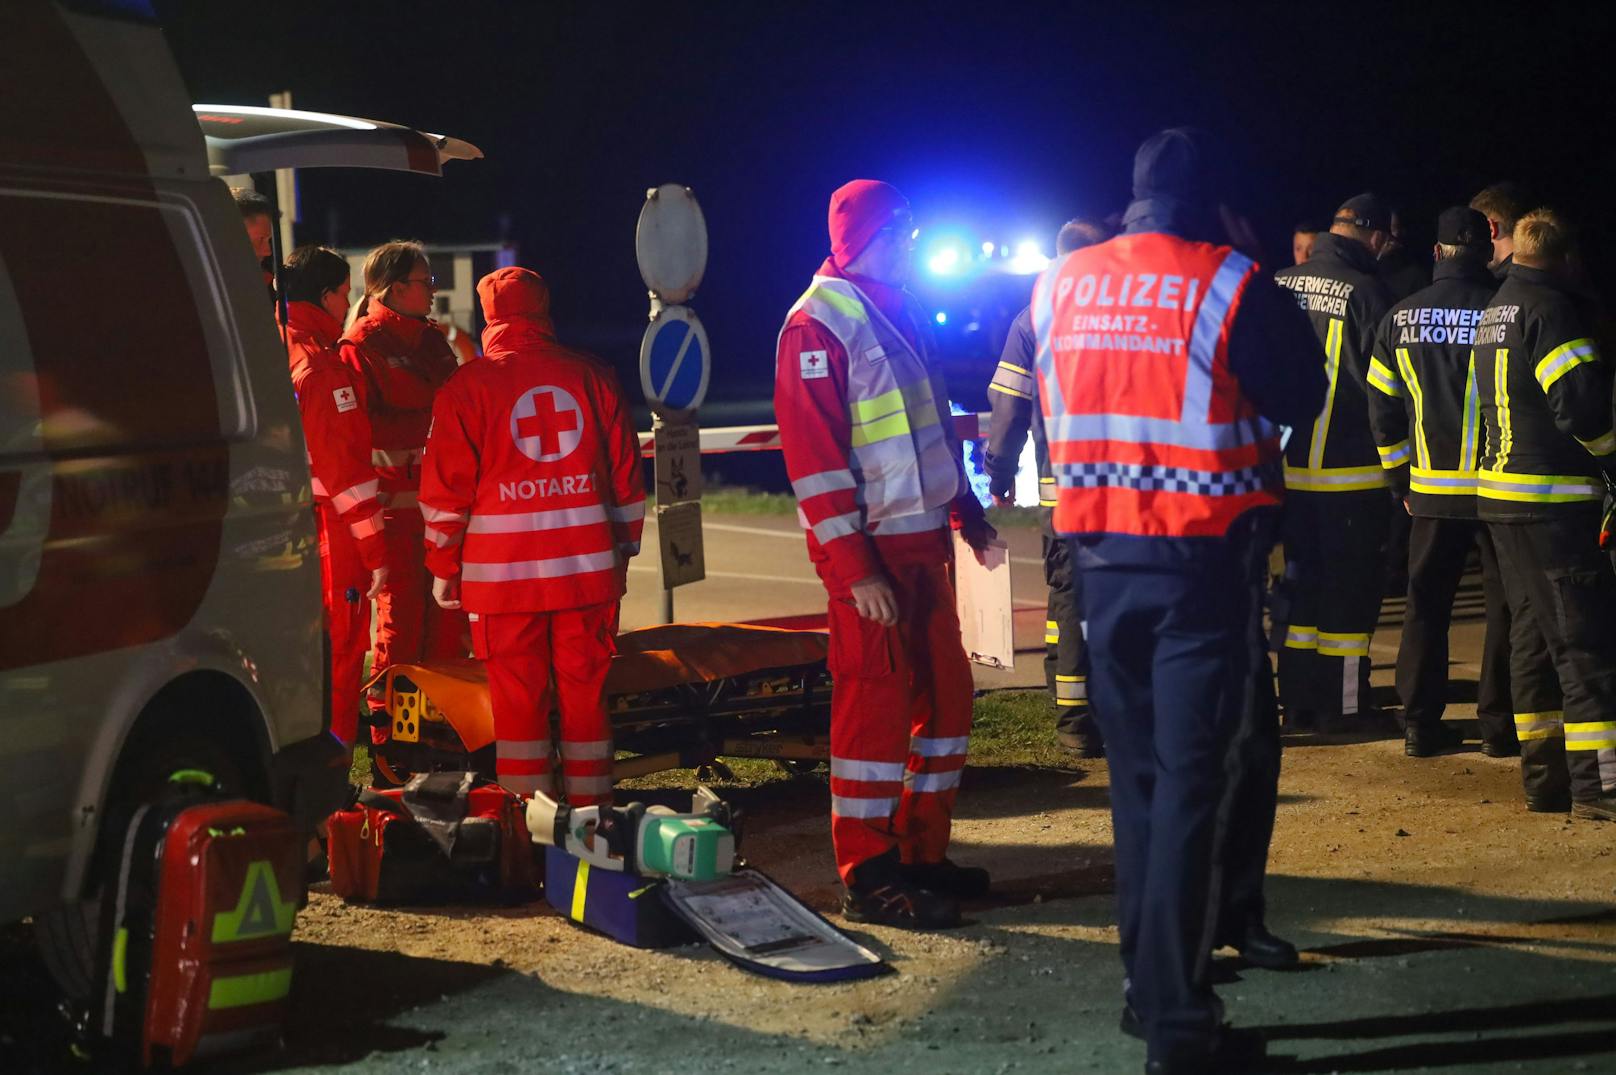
(1334,451)
(865,428)
(1423,406)
(336,431)
(1146,346)
(401,362)
(1013,399)
(1545,393)
(531,488)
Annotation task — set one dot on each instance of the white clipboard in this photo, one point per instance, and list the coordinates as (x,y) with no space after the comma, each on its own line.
(982,599)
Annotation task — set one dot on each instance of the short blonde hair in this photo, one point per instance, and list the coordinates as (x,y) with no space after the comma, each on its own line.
(1542,236)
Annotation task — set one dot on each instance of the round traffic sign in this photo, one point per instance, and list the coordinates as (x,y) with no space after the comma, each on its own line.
(674,361)
(670,242)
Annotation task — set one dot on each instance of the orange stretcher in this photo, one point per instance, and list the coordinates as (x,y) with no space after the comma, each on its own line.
(680,696)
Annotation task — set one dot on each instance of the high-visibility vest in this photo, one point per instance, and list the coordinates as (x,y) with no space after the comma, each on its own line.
(901,452)
(1148,432)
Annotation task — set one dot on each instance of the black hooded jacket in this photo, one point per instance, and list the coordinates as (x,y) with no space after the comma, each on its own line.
(1344,298)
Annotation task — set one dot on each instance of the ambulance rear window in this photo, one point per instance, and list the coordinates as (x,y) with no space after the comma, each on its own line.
(114,329)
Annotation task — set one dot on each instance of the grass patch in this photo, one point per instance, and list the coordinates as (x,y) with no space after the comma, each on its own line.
(739,500)
(1010,728)
(1015,518)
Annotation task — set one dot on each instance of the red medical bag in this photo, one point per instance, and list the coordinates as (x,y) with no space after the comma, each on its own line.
(197,927)
(442,838)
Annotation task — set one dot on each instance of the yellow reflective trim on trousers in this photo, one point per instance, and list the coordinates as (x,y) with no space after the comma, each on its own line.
(1051,632)
(1339,644)
(580,888)
(847,307)
(1332,370)
(1384,379)
(1530,726)
(1334,479)
(1563,359)
(1506,435)
(248,989)
(1297,637)
(1600,445)
(1422,452)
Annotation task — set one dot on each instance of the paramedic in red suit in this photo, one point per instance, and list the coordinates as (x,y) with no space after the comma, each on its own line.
(402,360)
(871,453)
(534,502)
(353,553)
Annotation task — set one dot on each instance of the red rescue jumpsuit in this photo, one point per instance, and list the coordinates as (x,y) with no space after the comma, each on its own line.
(336,431)
(533,496)
(402,362)
(901,705)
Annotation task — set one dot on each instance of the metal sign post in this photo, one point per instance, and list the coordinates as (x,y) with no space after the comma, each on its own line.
(670,244)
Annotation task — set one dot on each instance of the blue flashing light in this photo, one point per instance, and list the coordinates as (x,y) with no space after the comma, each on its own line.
(946,260)
(1028,258)
(941,317)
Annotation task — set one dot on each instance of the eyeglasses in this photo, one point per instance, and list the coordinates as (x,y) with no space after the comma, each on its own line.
(429,281)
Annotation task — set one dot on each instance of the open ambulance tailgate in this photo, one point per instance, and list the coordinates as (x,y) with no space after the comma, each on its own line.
(246,138)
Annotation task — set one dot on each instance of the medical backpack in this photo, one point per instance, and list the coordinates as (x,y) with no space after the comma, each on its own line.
(196,931)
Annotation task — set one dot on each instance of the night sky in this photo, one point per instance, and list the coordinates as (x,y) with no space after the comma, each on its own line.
(1003,118)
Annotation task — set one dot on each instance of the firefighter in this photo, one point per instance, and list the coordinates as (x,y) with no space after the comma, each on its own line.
(534,503)
(1423,410)
(402,360)
(1338,508)
(1550,451)
(877,470)
(336,430)
(1013,396)
(1502,204)
(1163,361)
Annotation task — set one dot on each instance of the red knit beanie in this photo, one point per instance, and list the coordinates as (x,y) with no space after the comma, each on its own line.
(857,211)
(513,292)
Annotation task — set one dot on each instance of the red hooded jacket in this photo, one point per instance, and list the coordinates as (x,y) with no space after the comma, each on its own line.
(336,430)
(401,363)
(531,487)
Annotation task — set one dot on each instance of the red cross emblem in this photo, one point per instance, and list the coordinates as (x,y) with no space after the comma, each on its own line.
(547,423)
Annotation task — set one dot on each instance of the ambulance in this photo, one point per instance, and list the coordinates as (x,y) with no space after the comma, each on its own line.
(159,571)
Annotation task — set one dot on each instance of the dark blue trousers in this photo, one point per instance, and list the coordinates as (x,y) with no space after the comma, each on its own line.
(1174,633)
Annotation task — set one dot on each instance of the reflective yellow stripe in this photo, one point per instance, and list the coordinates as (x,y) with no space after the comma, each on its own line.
(1395,456)
(1422,453)
(1472,418)
(1006,390)
(1051,632)
(1563,359)
(895,425)
(843,304)
(1334,479)
(1506,435)
(580,886)
(1600,445)
(1013,368)
(1442,482)
(247,989)
(1529,726)
(1337,644)
(1297,637)
(1383,378)
(1591,735)
(120,960)
(887,403)
(1332,370)
(1538,488)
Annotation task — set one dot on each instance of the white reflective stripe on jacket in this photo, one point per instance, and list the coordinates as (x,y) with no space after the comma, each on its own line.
(903,453)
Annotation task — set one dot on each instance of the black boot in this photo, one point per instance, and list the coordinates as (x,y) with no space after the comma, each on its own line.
(877,893)
(1428,740)
(1261,948)
(962,882)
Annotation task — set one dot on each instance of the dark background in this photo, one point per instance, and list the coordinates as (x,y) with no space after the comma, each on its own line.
(1008,116)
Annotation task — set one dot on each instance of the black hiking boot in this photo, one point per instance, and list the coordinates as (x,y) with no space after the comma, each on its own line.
(948,878)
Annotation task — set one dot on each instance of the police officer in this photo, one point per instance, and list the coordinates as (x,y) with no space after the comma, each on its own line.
(1423,409)
(1337,508)
(1550,451)
(1162,361)
(1013,398)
